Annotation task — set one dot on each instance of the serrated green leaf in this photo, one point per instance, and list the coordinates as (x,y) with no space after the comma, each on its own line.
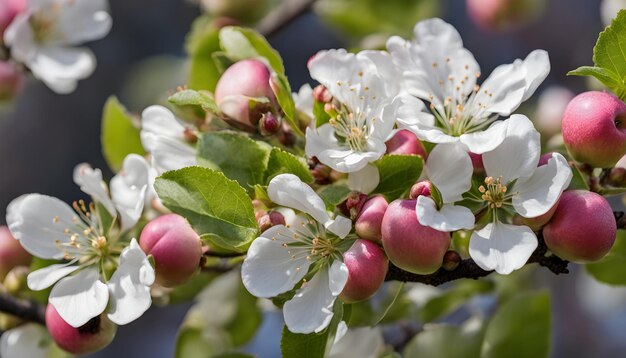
(452,299)
(119,136)
(608,78)
(612,268)
(215,206)
(239,157)
(242,43)
(194,98)
(447,341)
(334,195)
(397,174)
(520,328)
(281,162)
(282,91)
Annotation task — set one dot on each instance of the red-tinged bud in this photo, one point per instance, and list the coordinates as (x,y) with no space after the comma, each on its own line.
(582,228)
(321,94)
(270,219)
(477,163)
(10,81)
(175,247)
(617,176)
(9,9)
(406,143)
(544,158)
(451,260)
(369,221)
(420,188)
(410,245)
(367,268)
(12,254)
(352,206)
(269,124)
(91,337)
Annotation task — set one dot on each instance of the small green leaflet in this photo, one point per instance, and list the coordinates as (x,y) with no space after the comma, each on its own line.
(119,136)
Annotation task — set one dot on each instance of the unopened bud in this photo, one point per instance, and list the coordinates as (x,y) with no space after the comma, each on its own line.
(321,94)
(421,188)
(190,136)
(404,142)
(269,124)
(451,260)
(352,206)
(9,9)
(270,219)
(368,224)
(477,163)
(618,176)
(15,281)
(321,173)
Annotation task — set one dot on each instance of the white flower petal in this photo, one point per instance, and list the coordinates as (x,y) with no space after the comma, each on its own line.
(130,285)
(90,182)
(518,155)
(38,222)
(536,194)
(311,309)
(288,190)
(79,21)
(501,247)
(80,297)
(171,154)
(365,180)
(338,277)
(158,121)
(448,218)
(450,168)
(60,68)
(537,67)
(328,67)
(128,189)
(340,226)
(269,268)
(28,340)
(49,275)
(487,140)
(304,100)
(19,37)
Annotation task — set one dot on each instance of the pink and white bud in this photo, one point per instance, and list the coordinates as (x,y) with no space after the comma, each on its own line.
(369,221)
(11,81)
(91,337)
(269,124)
(594,129)
(367,268)
(175,247)
(503,15)
(322,94)
(582,228)
(9,9)
(239,86)
(410,245)
(420,188)
(12,254)
(405,142)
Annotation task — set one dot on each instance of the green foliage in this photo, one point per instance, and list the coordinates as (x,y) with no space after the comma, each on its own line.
(119,136)
(194,98)
(201,43)
(334,195)
(189,290)
(281,162)
(609,57)
(447,341)
(321,116)
(612,268)
(313,345)
(452,299)
(397,174)
(224,317)
(520,328)
(239,157)
(217,208)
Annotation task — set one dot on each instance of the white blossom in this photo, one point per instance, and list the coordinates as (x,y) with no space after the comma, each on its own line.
(28,340)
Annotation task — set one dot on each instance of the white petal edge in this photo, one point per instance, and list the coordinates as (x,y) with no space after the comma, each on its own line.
(49,275)
(449,218)
(128,189)
(90,182)
(487,140)
(450,169)
(80,297)
(364,180)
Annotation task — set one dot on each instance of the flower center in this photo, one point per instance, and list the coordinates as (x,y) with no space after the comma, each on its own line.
(494,194)
(42,23)
(351,128)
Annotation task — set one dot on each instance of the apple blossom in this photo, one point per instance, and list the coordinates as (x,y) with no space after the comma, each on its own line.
(88,338)
(90,245)
(307,249)
(436,68)
(362,113)
(515,185)
(304,100)
(44,36)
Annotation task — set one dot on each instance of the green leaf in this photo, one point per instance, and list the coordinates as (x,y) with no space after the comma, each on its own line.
(281,162)
(397,174)
(194,98)
(447,341)
(321,116)
(579,180)
(119,136)
(189,290)
(216,207)
(612,268)
(201,43)
(334,195)
(239,157)
(608,78)
(282,90)
(191,343)
(452,299)
(243,43)
(247,319)
(390,304)
(520,328)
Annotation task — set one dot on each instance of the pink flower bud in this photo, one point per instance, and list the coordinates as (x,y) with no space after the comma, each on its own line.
(451,260)
(352,206)
(367,268)
(582,228)
(10,81)
(500,15)
(477,163)
(405,142)
(93,336)
(321,94)
(270,219)
(410,245)
(269,124)
(420,188)
(12,254)
(370,219)
(9,9)
(617,176)
(240,84)
(175,247)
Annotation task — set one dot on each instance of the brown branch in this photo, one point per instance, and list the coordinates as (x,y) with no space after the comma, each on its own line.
(283,15)
(469,269)
(24,309)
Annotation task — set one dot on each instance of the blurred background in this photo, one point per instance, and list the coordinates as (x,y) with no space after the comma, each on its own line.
(44,135)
